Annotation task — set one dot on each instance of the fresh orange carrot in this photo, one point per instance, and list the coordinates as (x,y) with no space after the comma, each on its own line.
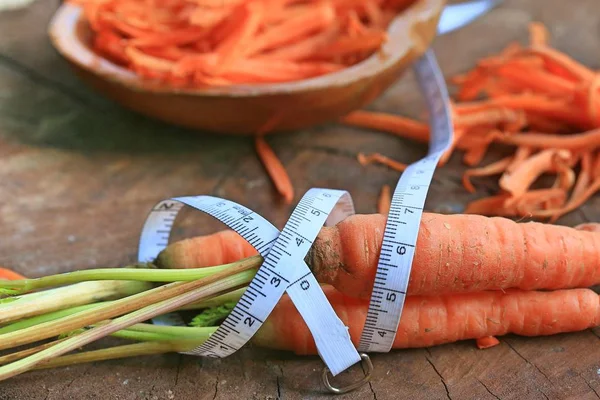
(381,159)
(10,275)
(275,169)
(486,342)
(498,253)
(394,124)
(222,247)
(385,200)
(433,320)
(492,206)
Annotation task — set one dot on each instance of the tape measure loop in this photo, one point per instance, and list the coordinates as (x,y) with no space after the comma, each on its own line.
(353,386)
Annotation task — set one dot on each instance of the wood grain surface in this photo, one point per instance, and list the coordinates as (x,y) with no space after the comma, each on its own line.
(78,175)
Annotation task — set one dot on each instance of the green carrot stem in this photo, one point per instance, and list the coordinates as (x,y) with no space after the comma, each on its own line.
(117,352)
(142,336)
(232,296)
(24,353)
(192,291)
(68,296)
(130,274)
(179,332)
(116,308)
(51,316)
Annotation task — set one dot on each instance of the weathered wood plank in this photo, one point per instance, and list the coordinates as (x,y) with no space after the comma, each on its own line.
(78,174)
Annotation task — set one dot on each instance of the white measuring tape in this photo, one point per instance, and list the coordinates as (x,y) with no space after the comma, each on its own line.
(283,270)
(404,218)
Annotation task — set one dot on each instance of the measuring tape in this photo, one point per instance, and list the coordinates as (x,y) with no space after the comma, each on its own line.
(404,217)
(283,270)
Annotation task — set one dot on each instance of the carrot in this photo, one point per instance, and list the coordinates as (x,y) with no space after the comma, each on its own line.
(492,205)
(313,19)
(486,342)
(496,254)
(385,200)
(222,247)
(433,320)
(381,159)
(518,182)
(234,33)
(588,140)
(492,169)
(10,275)
(394,124)
(538,34)
(275,169)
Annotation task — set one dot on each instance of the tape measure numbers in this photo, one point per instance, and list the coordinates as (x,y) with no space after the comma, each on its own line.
(404,217)
(283,270)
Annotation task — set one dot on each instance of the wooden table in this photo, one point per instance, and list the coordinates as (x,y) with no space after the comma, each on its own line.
(78,174)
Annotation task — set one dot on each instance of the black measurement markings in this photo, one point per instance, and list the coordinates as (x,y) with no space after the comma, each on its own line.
(250,288)
(244,300)
(320,211)
(400,243)
(247,313)
(265,246)
(275,273)
(389,290)
(299,279)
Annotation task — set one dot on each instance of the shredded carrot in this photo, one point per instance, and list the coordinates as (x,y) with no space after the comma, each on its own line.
(487,342)
(494,168)
(538,34)
(10,275)
(394,124)
(381,159)
(275,169)
(385,200)
(537,100)
(235,33)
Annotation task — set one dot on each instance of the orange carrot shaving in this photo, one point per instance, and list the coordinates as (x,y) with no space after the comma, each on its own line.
(235,32)
(10,275)
(381,159)
(538,34)
(587,140)
(487,342)
(394,124)
(494,168)
(275,169)
(518,182)
(385,200)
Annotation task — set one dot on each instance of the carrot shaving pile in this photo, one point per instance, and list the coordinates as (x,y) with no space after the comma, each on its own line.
(198,43)
(534,99)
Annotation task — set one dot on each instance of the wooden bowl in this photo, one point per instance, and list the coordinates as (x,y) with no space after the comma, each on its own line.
(244,109)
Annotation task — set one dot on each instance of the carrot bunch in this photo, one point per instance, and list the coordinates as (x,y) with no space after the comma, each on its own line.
(214,43)
(535,99)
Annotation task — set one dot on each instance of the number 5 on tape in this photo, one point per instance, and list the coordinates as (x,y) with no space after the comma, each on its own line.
(283,270)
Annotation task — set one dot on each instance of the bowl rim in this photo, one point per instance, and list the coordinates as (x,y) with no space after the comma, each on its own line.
(63,35)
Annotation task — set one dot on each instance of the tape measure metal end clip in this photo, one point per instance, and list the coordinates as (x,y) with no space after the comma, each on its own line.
(345,389)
